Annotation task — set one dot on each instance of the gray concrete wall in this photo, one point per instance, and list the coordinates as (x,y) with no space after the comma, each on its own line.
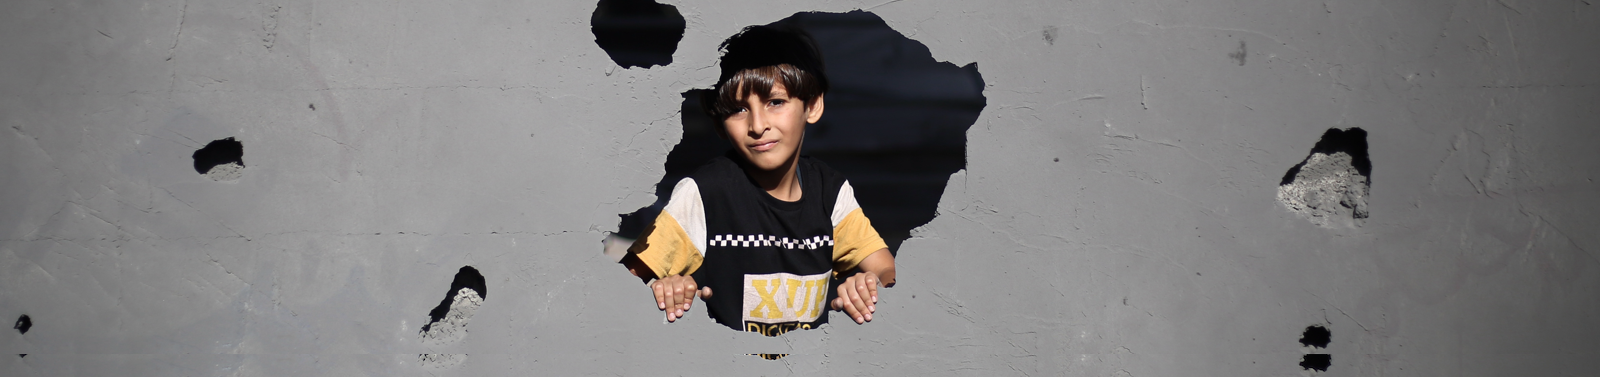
(1118,214)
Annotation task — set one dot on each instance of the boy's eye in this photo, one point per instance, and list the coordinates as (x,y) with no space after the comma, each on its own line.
(776,102)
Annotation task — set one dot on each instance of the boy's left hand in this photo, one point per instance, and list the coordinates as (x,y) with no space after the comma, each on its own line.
(858,296)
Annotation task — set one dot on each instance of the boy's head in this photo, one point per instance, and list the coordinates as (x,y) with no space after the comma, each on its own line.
(771,86)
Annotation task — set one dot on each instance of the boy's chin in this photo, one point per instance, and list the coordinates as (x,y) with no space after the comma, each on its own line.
(765,161)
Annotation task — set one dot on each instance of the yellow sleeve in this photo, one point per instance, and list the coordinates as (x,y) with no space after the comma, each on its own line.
(675,243)
(853,240)
(666,248)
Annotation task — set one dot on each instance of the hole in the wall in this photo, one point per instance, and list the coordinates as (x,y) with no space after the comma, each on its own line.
(1316,361)
(1316,336)
(895,123)
(1331,184)
(467,277)
(637,33)
(1352,141)
(448,321)
(220,160)
(23,324)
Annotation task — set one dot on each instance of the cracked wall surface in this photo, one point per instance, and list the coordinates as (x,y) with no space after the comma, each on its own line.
(1117,214)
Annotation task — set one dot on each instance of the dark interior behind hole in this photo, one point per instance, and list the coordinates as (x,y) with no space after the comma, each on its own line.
(1316,336)
(1352,141)
(895,125)
(23,324)
(637,33)
(1316,361)
(218,152)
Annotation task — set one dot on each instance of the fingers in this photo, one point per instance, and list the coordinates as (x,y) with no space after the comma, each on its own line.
(675,295)
(872,292)
(661,300)
(674,300)
(858,297)
(686,297)
(705,293)
(682,293)
(861,297)
(847,294)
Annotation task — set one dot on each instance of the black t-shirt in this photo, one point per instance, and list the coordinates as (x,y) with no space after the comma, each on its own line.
(769,262)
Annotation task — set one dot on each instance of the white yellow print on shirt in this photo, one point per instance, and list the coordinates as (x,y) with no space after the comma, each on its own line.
(784,297)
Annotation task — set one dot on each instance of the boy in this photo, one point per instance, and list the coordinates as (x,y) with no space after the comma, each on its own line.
(760,233)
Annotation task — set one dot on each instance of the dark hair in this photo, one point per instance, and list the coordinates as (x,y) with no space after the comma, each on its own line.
(758,57)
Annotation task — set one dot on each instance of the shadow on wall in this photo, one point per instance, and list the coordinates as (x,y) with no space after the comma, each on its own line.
(895,126)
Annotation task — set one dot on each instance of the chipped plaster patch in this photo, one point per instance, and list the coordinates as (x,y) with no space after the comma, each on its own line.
(1329,188)
(226,172)
(1328,191)
(453,327)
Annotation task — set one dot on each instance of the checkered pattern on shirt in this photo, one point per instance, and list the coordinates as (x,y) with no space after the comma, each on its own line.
(765,240)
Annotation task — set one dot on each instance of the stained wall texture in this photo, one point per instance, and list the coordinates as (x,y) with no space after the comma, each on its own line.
(1118,212)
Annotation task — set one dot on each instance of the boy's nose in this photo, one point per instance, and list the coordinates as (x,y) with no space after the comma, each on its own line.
(758,123)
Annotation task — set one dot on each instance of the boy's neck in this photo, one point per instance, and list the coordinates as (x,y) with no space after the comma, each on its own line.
(782,183)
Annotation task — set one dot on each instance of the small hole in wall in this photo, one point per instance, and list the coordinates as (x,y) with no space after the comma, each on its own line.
(1330,186)
(23,324)
(1316,336)
(637,33)
(467,277)
(447,323)
(220,160)
(1316,361)
(1352,141)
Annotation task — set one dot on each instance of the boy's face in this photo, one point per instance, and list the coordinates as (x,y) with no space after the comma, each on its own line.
(768,130)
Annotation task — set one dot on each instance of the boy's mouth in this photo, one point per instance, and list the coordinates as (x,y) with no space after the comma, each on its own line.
(763,146)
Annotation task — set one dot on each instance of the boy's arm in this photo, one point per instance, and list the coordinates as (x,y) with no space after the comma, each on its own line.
(676,291)
(670,249)
(880,263)
(858,294)
(637,267)
(674,294)
(858,247)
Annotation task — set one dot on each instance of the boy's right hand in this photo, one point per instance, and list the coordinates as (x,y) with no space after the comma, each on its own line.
(675,295)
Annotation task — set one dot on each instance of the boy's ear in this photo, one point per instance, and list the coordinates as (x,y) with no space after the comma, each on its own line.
(814,112)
